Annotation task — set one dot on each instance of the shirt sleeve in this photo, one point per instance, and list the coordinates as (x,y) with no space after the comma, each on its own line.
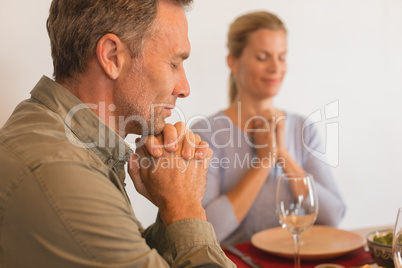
(189,242)
(79,218)
(331,205)
(219,210)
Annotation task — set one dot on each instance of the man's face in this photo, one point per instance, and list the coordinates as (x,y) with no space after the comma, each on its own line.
(151,84)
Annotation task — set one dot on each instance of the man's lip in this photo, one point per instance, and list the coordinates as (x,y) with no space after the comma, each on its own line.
(168,112)
(170,107)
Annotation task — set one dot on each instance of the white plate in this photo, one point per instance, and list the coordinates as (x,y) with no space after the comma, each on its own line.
(318,242)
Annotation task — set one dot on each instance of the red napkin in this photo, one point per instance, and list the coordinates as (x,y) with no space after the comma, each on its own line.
(354,258)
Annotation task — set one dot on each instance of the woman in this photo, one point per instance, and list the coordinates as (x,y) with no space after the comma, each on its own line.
(254,142)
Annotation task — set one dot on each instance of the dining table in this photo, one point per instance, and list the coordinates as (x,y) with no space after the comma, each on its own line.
(356,258)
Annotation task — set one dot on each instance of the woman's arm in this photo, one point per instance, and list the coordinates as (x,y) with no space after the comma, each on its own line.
(226,210)
(331,205)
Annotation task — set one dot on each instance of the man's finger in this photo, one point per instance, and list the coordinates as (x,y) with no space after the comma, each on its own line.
(154,146)
(134,172)
(181,133)
(133,166)
(202,150)
(188,147)
(170,138)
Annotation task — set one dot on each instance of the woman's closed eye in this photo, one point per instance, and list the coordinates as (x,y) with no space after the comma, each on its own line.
(262,57)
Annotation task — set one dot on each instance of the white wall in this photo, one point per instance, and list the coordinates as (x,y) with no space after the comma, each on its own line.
(348,51)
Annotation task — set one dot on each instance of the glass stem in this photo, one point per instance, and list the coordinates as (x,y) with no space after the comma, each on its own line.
(296,246)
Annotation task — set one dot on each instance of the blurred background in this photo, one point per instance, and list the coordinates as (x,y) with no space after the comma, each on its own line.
(344,68)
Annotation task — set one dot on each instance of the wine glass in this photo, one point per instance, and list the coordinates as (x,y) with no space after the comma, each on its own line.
(397,241)
(296,205)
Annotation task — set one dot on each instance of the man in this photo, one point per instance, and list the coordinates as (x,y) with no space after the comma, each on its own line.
(118,68)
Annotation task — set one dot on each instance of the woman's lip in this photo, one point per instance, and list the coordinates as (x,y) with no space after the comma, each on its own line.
(271,81)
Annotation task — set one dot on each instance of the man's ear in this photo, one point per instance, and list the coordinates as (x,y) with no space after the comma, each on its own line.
(111,53)
(232,63)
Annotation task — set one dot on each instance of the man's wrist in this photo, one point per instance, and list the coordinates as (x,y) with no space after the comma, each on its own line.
(181,212)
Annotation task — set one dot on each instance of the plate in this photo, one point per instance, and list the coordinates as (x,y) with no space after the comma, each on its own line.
(318,242)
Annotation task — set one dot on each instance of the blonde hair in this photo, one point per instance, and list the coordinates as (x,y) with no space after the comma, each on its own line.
(239,32)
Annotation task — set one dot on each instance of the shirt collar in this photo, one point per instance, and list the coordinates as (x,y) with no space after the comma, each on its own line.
(83,127)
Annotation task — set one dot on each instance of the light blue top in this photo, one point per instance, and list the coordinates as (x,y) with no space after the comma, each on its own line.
(233,156)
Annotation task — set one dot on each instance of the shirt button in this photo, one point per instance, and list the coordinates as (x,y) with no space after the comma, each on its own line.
(110,161)
(127,157)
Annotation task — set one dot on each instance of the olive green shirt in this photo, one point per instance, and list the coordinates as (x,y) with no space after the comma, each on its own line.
(62,196)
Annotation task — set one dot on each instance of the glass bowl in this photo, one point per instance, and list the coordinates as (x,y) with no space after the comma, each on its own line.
(381,253)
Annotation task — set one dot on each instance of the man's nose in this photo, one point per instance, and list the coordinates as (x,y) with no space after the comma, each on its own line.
(182,88)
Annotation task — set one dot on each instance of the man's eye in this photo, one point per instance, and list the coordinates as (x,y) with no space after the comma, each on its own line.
(261,58)
(175,66)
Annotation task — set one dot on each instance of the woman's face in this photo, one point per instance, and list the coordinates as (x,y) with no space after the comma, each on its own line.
(260,69)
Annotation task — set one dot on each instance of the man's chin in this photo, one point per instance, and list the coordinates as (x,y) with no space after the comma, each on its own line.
(148,128)
(157,128)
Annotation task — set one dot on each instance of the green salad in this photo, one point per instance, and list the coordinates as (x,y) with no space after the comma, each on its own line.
(386,239)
